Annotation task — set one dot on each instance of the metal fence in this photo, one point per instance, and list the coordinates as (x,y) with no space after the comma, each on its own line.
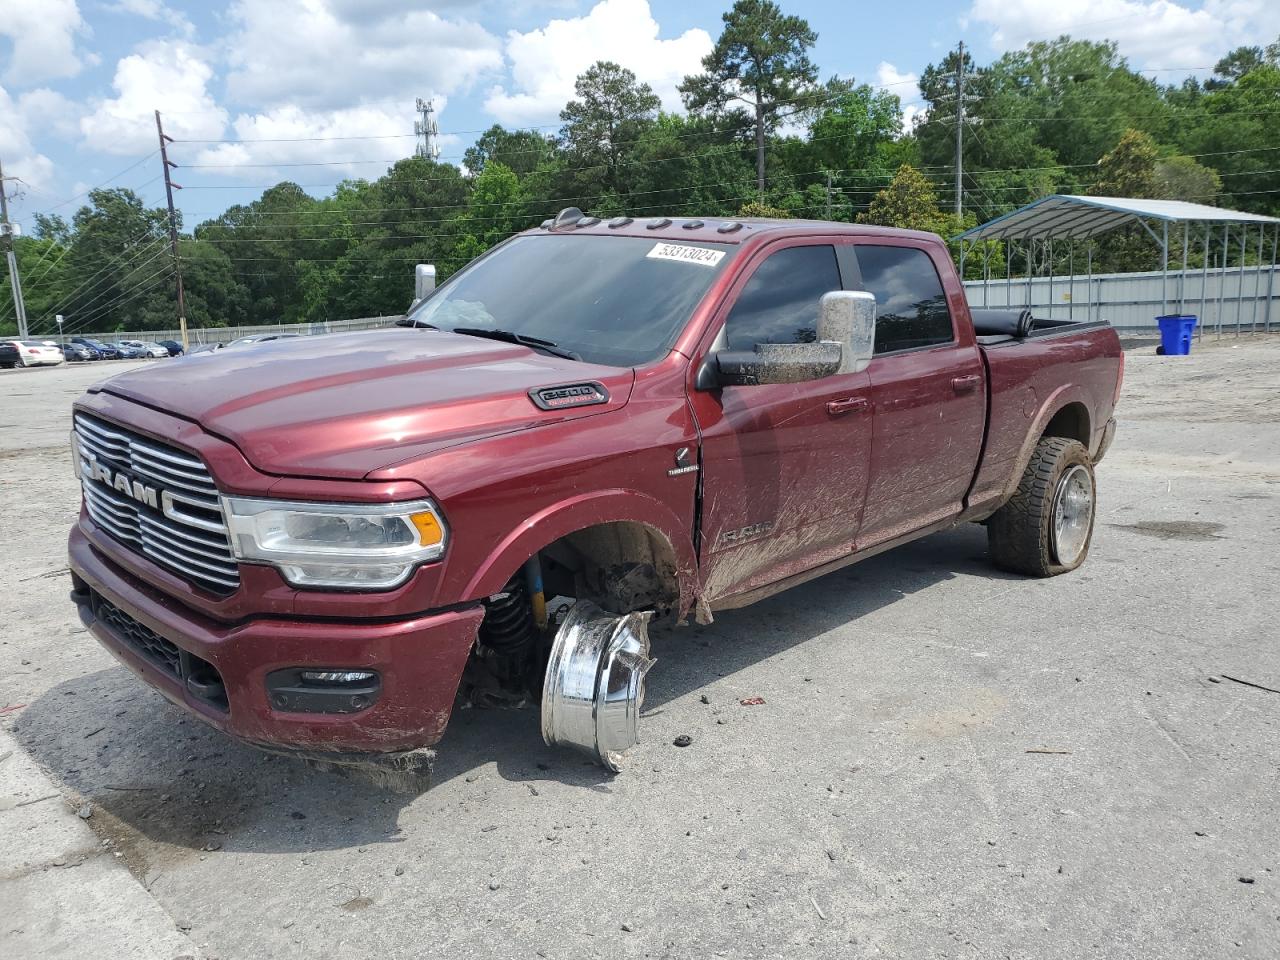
(198,335)
(1226,301)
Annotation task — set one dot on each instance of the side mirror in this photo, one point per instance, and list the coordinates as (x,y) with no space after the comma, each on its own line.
(424,281)
(846,341)
(848,317)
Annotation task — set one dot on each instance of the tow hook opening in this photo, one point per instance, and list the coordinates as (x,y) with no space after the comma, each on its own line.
(594,685)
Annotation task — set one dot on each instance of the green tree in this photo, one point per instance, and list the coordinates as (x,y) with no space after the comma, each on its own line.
(1129,168)
(608,112)
(1182,178)
(521,151)
(761,61)
(850,131)
(908,202)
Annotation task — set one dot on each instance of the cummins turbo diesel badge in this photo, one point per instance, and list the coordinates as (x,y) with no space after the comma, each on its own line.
(685,254)
(569,395)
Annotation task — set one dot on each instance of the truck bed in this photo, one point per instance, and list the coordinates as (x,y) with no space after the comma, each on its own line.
(1058,369)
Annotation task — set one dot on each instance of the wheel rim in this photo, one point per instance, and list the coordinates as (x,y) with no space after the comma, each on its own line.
(1072,514)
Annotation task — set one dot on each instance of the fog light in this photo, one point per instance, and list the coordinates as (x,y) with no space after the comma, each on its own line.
(302,690)
(337,676)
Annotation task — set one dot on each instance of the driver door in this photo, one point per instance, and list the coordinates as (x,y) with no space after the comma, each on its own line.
(784,466)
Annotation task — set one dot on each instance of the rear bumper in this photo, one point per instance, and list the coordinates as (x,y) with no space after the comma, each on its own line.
(419,661)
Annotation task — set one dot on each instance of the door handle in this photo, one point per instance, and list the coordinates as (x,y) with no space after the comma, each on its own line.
(838,408)
(965,384)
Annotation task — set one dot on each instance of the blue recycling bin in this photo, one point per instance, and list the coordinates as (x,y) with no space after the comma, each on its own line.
(1175,334)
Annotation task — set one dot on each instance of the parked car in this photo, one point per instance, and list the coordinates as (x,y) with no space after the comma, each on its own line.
(147,349)
(77,352)
(656,418)
(261,338)
(9,356)
(35,353)
(128,351)
(173,346)
(105,351)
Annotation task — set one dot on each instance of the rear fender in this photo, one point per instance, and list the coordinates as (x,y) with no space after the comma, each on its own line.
(579,513)
(1061,397)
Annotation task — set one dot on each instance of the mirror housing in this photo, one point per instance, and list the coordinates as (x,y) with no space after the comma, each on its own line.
(777,363)
(848,317)
(424,281)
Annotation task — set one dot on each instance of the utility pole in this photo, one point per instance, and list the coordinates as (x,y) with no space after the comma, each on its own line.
(426,129)
(7,230)
(960,129)
(828,194)
(169,187)
(960,119)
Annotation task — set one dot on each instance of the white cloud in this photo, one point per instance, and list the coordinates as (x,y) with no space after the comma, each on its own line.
(273,140)
(21,158)
(170,74)
(43,34)
(1151,33)
(903,85)
(333,54)
(887,75)
(545,62)
(155,10)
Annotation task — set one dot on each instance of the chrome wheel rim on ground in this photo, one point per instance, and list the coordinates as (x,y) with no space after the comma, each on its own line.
(594,687)
(1072,514)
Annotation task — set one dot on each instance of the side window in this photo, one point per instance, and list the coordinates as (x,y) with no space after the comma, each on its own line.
(779,304)
(911,307)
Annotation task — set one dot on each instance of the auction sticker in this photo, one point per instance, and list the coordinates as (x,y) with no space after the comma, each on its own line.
(685,254)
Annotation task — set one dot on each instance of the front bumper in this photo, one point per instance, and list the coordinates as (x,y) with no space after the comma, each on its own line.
(419,660)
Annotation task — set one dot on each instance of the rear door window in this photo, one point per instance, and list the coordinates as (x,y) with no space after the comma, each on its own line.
(911,306)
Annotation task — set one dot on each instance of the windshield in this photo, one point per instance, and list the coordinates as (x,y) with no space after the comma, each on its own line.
(620,301)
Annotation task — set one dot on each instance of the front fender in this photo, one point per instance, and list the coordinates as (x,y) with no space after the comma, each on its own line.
(577,513)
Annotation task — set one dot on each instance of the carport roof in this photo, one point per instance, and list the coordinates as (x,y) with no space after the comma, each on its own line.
(1066,215)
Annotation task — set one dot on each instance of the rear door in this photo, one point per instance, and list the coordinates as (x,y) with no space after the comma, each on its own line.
(927,392)
(784,465)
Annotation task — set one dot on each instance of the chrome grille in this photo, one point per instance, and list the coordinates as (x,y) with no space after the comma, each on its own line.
(186,532)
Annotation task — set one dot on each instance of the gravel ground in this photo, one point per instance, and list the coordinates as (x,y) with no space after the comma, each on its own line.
(949,762)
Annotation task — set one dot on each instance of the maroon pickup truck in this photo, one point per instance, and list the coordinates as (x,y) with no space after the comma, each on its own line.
(319,545)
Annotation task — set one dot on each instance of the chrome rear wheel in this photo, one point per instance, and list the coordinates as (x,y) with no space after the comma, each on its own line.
(1072,514)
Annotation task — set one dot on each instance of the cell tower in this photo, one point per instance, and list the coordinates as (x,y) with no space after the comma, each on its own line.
(426,130)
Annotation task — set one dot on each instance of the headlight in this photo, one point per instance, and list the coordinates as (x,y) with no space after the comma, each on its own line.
(357,546)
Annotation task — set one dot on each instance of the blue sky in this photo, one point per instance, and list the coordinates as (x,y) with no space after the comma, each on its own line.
(243,83)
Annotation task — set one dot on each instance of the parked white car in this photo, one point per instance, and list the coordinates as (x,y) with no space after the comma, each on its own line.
(35,353)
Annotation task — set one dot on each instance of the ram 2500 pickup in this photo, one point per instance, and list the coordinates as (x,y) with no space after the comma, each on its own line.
(318,545)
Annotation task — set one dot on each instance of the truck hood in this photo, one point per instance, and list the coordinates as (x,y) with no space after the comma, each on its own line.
(345,405)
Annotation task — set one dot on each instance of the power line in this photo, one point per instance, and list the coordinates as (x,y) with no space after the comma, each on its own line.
(75,297)
(97,313)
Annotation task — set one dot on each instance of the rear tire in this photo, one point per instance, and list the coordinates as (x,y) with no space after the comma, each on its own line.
(1047,525)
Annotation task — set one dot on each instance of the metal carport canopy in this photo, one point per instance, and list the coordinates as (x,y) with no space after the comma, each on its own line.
(1063,216)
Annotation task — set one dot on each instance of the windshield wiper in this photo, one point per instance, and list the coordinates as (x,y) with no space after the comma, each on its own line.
(508,336)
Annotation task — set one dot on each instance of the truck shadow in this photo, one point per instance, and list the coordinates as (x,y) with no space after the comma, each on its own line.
(692,657)
(166,787)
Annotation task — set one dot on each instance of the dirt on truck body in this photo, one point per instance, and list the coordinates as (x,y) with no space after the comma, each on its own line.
(316,545)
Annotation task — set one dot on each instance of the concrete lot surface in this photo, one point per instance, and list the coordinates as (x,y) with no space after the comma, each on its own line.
(949,762)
